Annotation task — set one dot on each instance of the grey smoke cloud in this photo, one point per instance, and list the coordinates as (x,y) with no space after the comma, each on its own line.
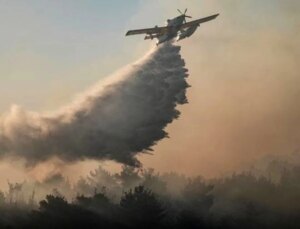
(116,120)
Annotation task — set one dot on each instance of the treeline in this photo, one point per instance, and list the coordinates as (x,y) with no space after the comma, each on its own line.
(137,198)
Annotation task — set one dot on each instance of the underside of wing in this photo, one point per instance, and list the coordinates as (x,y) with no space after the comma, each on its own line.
(155,30)
(199,21)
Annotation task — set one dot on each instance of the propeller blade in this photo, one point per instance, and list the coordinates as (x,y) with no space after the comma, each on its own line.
(179,11)
(185,11)
(188,16)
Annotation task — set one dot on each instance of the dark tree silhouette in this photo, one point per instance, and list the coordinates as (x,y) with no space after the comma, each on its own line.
(142,208)
(2,198)
(242,200)
(56,212)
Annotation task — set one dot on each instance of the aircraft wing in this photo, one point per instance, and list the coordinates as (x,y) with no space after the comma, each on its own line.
(199,21)
(155,30)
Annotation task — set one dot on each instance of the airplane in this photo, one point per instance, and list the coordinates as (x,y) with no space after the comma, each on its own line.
(177,28)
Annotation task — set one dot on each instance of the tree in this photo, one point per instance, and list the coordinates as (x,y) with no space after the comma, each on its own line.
(56,212)
(129,176)
(2,198)
(142,207)
(153,181)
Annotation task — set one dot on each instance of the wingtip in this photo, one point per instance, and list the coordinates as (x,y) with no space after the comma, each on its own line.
(215,15)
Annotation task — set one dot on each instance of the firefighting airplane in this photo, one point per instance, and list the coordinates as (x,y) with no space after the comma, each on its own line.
(175,28)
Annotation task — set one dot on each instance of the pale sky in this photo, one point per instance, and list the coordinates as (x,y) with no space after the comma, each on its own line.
(243,68)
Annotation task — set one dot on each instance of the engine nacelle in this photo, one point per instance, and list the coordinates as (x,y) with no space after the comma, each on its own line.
(187,33)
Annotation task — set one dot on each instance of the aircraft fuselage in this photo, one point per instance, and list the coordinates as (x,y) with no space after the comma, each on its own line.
(173,28)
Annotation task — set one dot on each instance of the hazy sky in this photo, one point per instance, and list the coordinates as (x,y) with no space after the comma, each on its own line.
(244,74)
(66,45)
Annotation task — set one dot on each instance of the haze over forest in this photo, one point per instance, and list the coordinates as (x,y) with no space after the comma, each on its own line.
(69,105)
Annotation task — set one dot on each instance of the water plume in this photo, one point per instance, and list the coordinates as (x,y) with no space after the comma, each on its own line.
(115,120)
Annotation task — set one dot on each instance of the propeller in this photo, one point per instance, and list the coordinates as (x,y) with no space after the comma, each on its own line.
(184,14)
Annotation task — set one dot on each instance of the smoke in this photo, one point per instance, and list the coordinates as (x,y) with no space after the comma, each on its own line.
(116,120)
(244,104)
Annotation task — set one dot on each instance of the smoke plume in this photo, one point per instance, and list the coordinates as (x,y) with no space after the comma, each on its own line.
(116,120)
